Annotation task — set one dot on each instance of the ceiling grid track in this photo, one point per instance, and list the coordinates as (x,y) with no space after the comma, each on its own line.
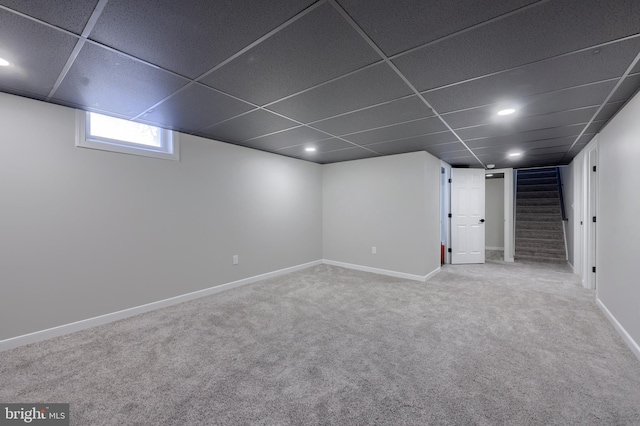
(368,39)
(609,96)
(453,108)
(97,11)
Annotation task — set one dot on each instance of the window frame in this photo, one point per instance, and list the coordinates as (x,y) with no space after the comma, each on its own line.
(169,148)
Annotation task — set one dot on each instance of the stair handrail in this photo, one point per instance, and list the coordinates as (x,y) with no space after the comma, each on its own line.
(560,192)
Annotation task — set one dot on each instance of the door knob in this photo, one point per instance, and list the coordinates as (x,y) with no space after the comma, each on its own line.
(481,220)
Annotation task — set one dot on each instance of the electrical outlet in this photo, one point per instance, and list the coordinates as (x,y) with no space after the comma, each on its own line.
(235,259)
(374,250)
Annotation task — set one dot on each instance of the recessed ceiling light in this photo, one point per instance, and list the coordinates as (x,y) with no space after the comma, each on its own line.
(4,63)
(310,149)
(515,154)
(507,111)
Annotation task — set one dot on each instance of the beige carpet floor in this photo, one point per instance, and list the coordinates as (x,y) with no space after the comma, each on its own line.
(512,344)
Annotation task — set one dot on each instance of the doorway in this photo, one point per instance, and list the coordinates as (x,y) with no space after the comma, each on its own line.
(494,214)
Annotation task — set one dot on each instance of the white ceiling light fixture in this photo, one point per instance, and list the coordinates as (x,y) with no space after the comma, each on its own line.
(4,62)
(507,111)
(310,149)
(489,175)
(515,154)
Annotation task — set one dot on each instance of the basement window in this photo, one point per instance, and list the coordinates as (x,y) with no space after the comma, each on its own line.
(106,133)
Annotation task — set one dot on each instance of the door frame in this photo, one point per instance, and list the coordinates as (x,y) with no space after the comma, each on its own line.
(591,206)
(445,209)
(509,233)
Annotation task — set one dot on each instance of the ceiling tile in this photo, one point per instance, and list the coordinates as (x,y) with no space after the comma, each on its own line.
(559,73)
(397,111)
(515,138)
(509,125)
(326,145)
(253,124)
(422,126)
(373,85)
(417,143)
(595,127)
(533,161)
(580,144)
(528,149)
(37,55)
(100,78)
(627,89)
(537,33)
(550,102)
(196,107)
(189,38)
(295,58)
(609,110)
(343,155)
(421,21)
(72,15)
(461,159)
(287,138)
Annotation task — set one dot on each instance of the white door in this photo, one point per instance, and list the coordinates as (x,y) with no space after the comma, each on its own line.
(467,210)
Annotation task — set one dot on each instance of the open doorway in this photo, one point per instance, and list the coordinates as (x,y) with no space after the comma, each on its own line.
(494,225)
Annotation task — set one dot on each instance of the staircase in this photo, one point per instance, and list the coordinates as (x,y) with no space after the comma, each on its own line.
(539,229)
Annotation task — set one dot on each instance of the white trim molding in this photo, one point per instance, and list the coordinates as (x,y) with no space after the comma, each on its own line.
(633,345)
(395,274)
(61,330)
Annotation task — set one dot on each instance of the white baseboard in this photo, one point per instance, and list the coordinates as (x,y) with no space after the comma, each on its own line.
(61,330)
(493,248)
(572,268)
(635,348)
(395,274)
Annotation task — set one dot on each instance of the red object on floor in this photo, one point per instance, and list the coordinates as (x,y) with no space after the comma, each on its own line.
(442,254)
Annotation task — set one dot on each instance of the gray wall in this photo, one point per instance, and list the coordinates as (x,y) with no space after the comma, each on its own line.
(391,203)
(618,279)
(86,232)
(494,213)
(566,174)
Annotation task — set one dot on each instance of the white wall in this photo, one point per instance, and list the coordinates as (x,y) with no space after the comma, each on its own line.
(494,214)
(618,277)
(86,232)
(391,203)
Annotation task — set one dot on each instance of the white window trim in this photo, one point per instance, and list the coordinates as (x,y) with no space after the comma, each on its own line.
(169,151)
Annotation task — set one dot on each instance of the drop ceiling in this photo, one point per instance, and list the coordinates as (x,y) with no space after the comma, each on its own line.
(352,78)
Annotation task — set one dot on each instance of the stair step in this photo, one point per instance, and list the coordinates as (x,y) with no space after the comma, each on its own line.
(539,187)
(536,175)
(538,209)
(538,194)
(531,172)
(538,181)
(540,246)
(522,202)
(541,234)
(539,217)
(540,258)
(549,249)
(539,226)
